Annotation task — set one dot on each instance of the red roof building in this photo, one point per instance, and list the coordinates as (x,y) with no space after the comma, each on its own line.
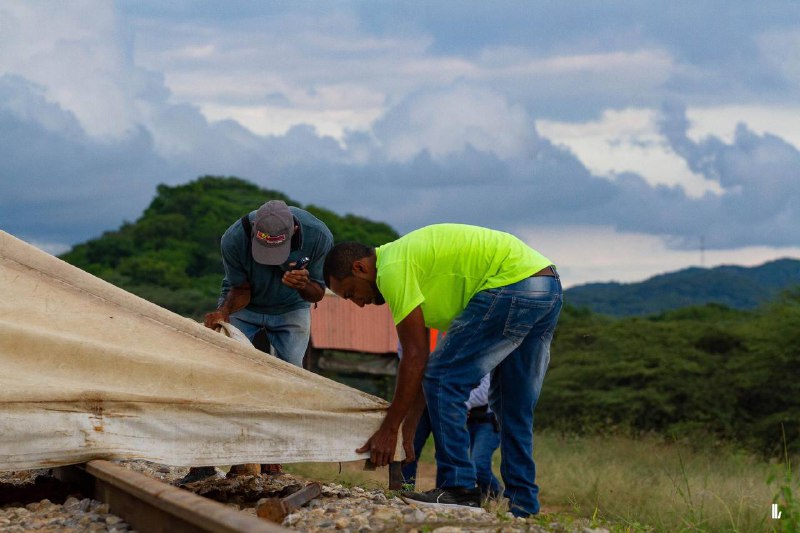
(337,324)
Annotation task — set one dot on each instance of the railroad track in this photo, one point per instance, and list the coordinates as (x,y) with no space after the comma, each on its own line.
(149,505)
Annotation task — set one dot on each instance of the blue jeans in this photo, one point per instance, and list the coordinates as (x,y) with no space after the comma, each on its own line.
(506,331)
(484,440)
(288,333)
(420,438)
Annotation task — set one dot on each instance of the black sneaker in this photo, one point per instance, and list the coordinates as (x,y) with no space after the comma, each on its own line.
(197,473)
(448,497)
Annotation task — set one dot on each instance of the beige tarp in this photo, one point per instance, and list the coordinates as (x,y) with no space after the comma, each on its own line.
(91,371)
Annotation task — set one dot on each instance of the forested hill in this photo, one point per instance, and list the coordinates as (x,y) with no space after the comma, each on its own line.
(733,286)
(170,255)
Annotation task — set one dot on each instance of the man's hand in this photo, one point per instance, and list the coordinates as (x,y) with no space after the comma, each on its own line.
(300,280)
(211,319)
(296,279)
(236,298)
(381,446)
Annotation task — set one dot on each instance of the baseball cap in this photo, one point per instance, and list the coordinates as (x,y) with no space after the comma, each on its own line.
(273,229)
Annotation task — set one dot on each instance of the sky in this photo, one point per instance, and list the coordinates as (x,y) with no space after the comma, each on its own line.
(622,139)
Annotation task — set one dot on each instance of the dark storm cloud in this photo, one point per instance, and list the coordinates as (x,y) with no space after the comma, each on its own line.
(61,185)
(760,177)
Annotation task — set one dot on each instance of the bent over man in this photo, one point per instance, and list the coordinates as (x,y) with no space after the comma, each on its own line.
(499,301)
(264,289)
(261,288)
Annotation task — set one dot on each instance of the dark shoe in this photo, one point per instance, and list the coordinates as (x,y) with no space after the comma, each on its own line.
(197,473)
(448,497)
(272,469)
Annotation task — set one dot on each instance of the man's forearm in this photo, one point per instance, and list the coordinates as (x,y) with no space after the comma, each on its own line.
(409,400)
(413,338)
(312,292)
(408,391)
(236,299)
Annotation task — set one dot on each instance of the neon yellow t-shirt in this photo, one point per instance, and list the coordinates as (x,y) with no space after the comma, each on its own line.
(441,267)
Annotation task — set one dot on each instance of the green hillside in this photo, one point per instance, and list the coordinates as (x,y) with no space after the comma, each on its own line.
(733,286)
(170,255)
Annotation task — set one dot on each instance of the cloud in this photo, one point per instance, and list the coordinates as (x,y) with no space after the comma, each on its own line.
(342,66)
(390,118)
(780,49)
(721,121)
(82,62)
(60,185)
(468,173)
(628,141)
(760,176)
(448,120)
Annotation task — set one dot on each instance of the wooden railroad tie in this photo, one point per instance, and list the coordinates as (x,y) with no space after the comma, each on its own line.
(276,509)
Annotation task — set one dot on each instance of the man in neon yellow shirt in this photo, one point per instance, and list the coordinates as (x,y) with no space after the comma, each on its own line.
(499,301)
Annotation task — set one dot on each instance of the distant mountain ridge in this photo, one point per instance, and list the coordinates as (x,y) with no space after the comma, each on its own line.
(737,287)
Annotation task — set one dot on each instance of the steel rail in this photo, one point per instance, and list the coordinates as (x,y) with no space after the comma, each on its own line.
(153,506)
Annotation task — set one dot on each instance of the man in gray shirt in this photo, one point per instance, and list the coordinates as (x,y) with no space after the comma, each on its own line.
(261,288)
(265,288)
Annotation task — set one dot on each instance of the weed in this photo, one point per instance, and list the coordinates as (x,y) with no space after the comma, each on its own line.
(498,506)
(787,496)
(695,516)
(594,522)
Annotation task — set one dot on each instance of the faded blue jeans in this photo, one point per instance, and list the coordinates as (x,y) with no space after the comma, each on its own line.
(288,333)
(506,331)
(483,442)
(420,438)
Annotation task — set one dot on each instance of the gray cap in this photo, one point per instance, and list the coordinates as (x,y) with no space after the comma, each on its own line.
(273,229)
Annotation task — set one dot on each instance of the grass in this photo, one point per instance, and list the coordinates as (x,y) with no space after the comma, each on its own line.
(787,491)
(641,484)
(647,483)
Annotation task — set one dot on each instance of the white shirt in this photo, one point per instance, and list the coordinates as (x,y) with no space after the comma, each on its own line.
(479,396)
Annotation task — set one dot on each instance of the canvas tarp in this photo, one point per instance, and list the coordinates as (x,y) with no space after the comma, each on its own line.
(91,371)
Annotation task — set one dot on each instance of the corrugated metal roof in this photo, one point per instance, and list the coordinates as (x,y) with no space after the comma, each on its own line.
(337,324)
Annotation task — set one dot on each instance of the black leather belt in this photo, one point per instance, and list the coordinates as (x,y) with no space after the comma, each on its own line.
(546,271)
